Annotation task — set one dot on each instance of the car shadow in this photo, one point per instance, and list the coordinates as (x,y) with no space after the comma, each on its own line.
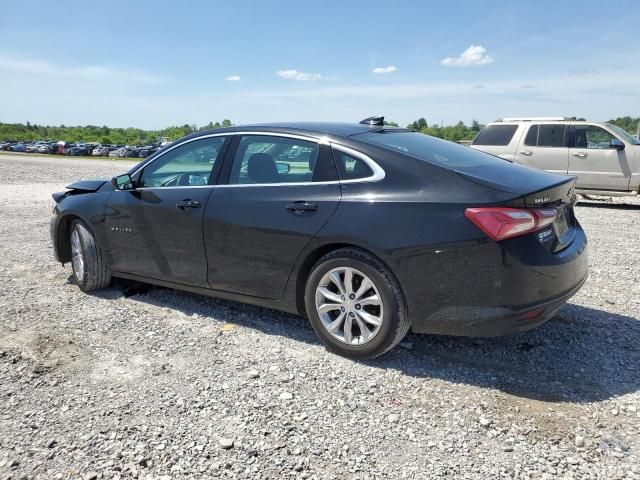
(581,355)
(613,206)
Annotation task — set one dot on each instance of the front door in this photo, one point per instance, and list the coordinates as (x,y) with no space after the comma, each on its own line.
(544,146)
(595,162)
(280,191)
(155,230)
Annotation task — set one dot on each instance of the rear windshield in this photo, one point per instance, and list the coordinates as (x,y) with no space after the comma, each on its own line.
(495,135)
(431,149)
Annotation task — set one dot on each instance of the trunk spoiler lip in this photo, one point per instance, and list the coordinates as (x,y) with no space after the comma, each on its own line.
(554,187)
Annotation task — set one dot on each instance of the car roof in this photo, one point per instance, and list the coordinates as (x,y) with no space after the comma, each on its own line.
(319,128)
(506,121)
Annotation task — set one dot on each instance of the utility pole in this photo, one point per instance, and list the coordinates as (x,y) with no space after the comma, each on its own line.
(638,131)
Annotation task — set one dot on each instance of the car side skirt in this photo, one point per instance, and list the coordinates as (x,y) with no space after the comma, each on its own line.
(257,301)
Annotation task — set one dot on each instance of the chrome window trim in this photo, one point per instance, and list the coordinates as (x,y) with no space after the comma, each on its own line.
(378,171)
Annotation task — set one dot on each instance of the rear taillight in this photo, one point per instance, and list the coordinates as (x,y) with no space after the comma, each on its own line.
(501,223)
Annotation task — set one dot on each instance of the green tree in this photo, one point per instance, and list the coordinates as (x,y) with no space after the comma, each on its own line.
(630,124)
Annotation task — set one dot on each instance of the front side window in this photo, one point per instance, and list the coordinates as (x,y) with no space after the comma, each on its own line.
(592,137)
(495,135)
(626,136)
(187,165)
(263,159)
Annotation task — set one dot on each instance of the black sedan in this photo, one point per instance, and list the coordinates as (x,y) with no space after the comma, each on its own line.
(365,229)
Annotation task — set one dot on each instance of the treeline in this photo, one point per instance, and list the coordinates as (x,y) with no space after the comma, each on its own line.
(104,135)
(136,136)
(454,133)
(630,124)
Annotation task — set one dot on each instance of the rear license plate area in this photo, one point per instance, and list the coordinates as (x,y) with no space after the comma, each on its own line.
(561,223)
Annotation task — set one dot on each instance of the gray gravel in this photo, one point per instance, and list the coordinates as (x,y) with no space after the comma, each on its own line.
(164,384)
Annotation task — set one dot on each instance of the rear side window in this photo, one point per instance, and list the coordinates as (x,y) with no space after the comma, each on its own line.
(531,139)
(545,135)
(263,159)
(497,135)
(350,167)
(551,135)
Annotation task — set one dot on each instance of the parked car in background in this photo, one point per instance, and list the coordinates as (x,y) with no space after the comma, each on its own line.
(147,150)
(367,230)
(62,146)
(604,158)
(17,147)
(48,147)
(32,147)
(101,151)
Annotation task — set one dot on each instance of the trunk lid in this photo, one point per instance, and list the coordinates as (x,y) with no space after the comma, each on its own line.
(515,178)
(535,189)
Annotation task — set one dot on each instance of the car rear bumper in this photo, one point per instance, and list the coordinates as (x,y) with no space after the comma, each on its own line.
(516,287)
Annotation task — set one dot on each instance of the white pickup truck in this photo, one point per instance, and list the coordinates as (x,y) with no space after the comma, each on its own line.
(604,157)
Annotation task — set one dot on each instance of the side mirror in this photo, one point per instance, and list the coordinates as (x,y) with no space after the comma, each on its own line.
(122,182)
(283,167)
(617,144)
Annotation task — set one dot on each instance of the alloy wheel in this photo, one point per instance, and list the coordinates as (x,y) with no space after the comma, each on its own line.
(77,258)
(349,306)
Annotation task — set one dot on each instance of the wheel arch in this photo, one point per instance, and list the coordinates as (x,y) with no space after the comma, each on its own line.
(63,236)
(315,254)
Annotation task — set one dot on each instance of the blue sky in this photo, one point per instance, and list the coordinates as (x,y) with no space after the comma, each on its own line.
(151,64)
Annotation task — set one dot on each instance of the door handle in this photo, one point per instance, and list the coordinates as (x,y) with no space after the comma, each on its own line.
(301,207)
(580,154)
(528,153)
(184,204)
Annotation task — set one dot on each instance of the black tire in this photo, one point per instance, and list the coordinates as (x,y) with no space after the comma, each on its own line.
(95,274)
(395,324)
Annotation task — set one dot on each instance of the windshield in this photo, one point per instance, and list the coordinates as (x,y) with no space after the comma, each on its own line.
(626,136)
(431,149)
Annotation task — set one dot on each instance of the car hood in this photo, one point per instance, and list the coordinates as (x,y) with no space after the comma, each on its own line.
(86,185)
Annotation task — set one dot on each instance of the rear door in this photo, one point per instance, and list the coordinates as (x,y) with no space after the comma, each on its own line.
(280,190)
(595,162)
(544,146)
(155,230)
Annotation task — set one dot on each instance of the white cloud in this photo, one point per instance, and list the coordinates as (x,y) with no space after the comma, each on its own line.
(474,55)
(383,70)
(99,73)
(297,75)
(233,78)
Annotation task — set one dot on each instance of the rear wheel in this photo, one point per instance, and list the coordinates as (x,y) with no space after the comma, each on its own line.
(89,269)
(355,304)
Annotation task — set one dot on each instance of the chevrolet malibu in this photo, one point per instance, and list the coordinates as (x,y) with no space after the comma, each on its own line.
(366,230)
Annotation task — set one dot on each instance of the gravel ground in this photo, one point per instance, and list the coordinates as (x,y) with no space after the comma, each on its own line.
(164,384)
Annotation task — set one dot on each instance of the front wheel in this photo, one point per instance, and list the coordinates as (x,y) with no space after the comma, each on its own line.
(89,268)
(355,304)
